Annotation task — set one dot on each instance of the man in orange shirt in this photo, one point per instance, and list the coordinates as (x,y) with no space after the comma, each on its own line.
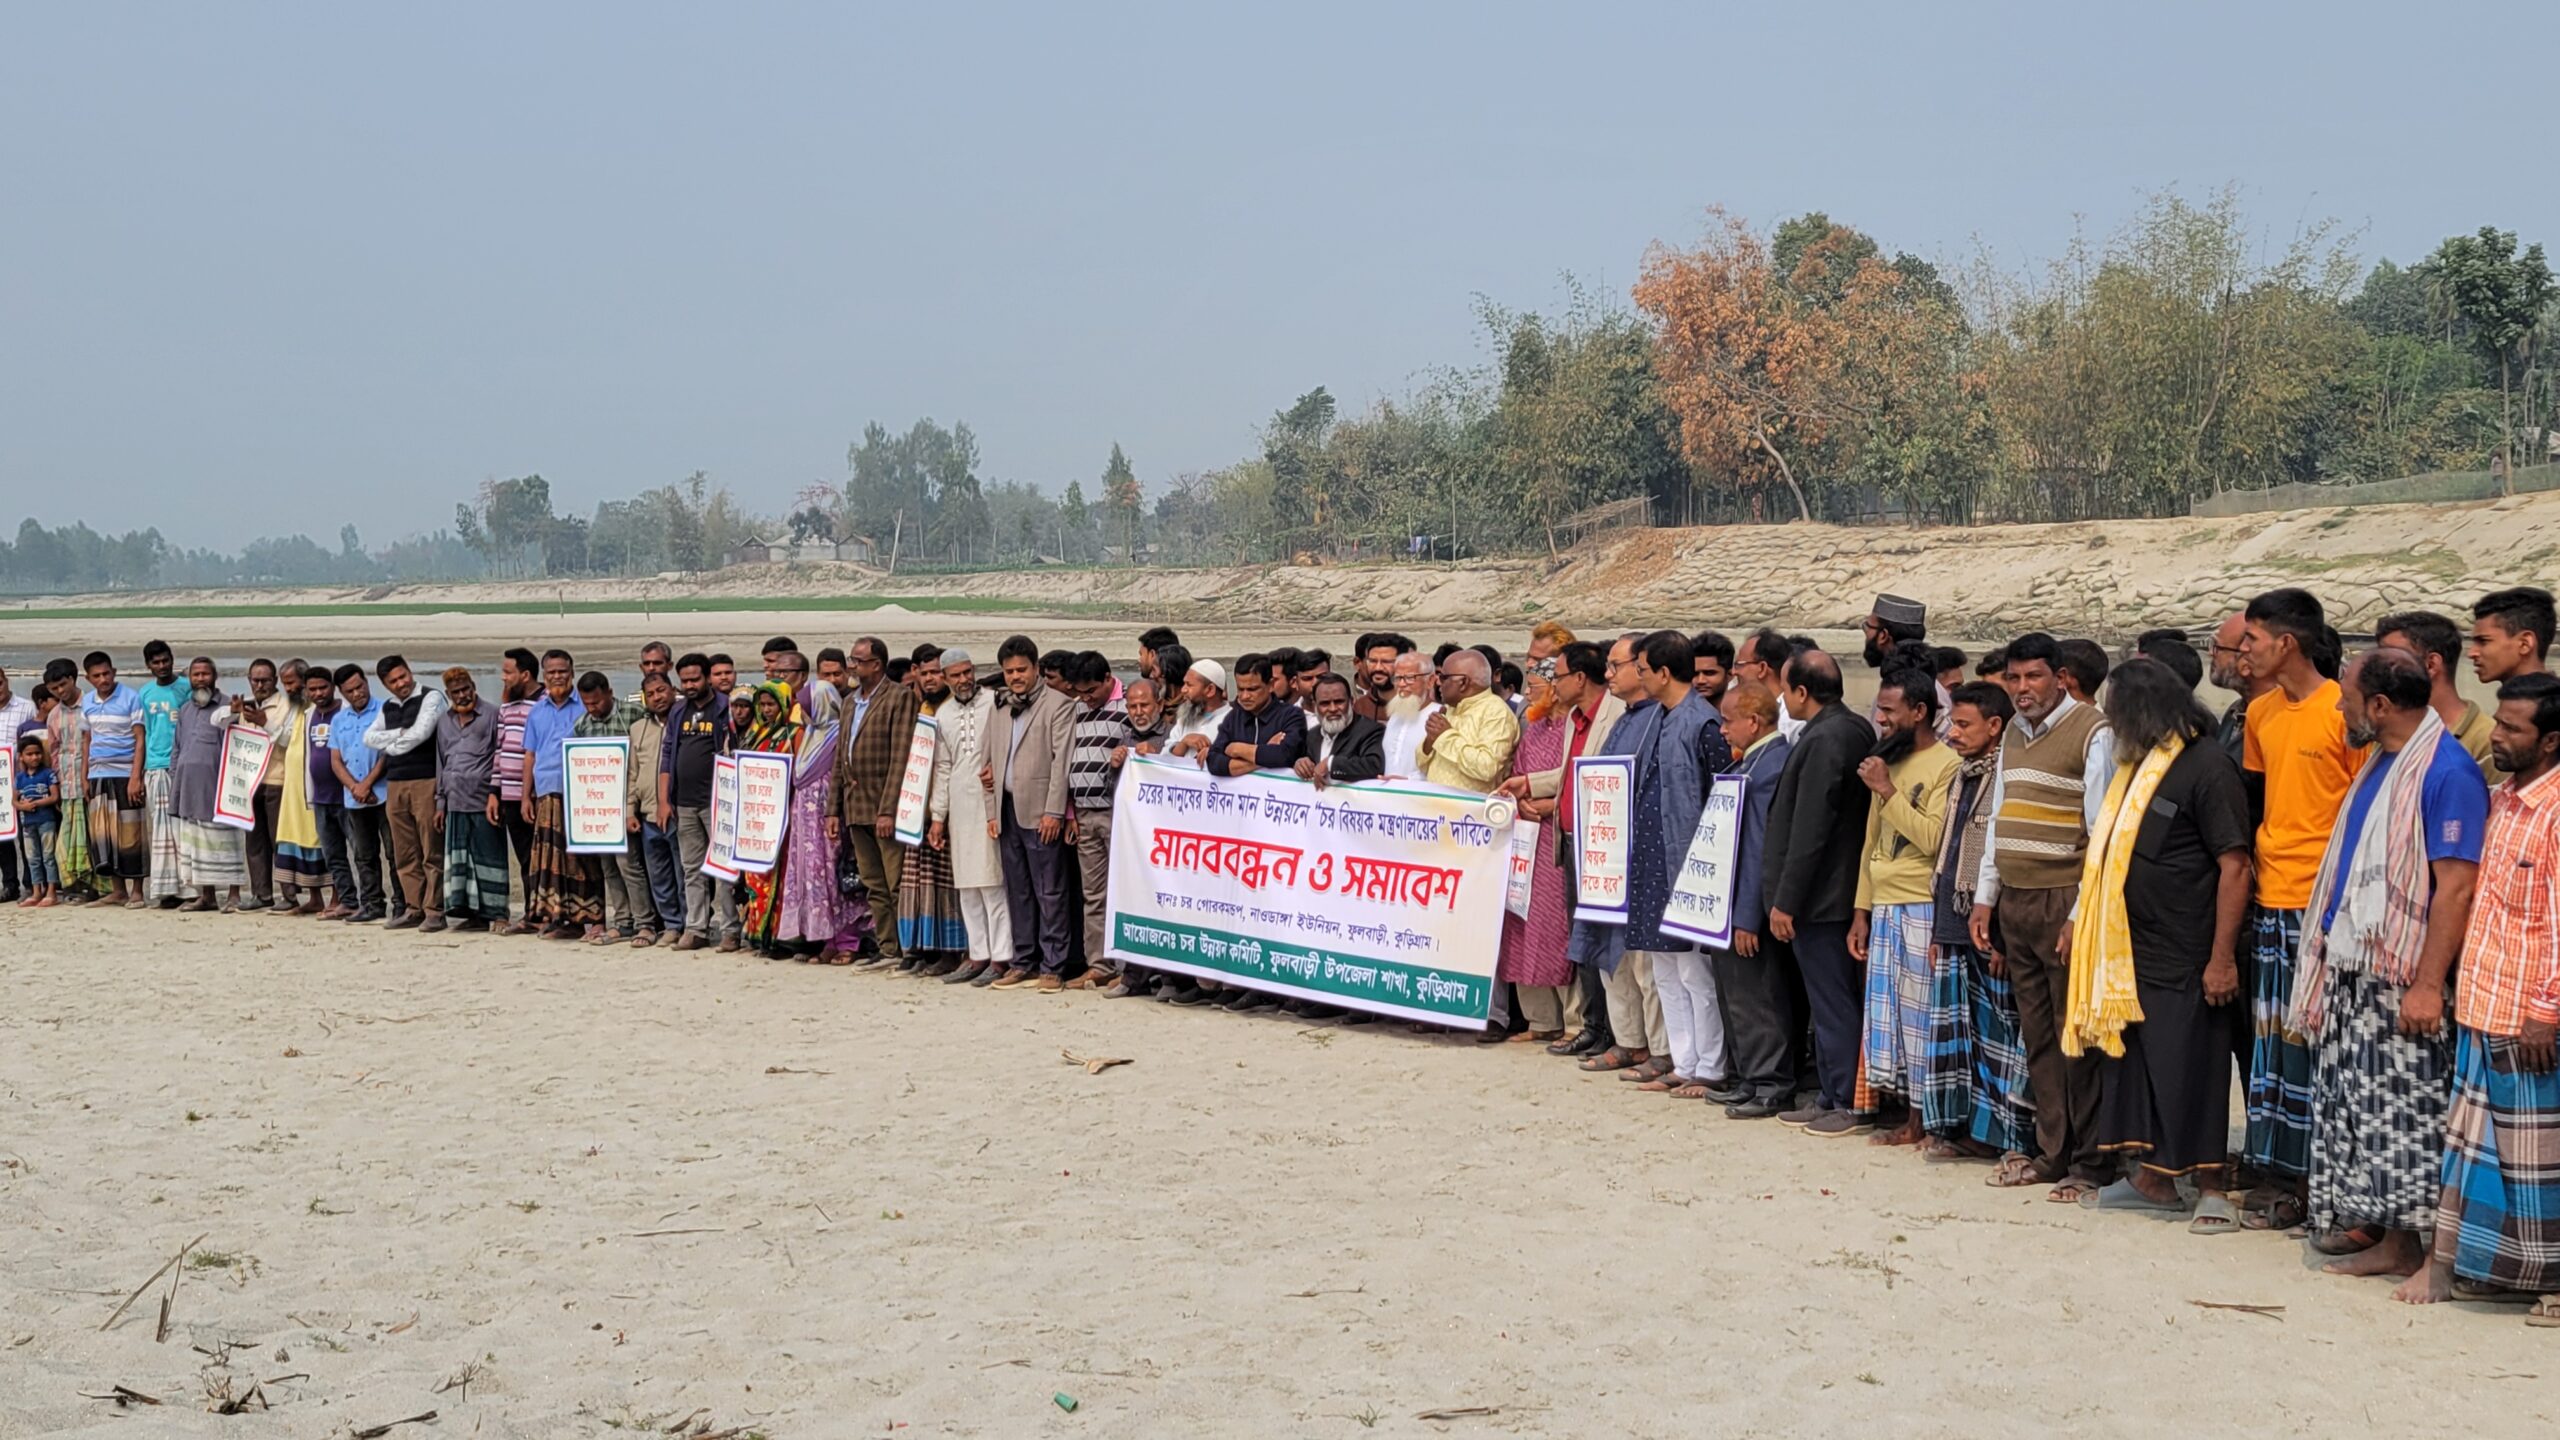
(2498,1220)
(2295,739)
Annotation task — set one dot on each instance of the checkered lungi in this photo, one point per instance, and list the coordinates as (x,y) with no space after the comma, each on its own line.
(1946,1074)
(2004,1113)
(2379,1099)
(2502,1166)
(2279,1135)
(1896,1048)
(159,788)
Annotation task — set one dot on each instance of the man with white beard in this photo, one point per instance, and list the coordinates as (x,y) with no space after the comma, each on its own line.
(963,813)
(1408,714)
(1341,747)
(1203,710)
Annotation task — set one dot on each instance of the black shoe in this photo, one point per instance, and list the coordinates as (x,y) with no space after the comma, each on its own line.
(1237,999)
(1591,1041)
(1492,1035)
(966,974)
(1728,1092)
(1757,1108)
(1359,1017)
(1193,996)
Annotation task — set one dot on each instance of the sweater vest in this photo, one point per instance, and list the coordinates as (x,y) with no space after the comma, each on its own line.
(2041,833)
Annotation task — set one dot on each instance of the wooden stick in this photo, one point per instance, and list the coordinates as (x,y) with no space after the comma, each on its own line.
(147,1284)
(376,1432)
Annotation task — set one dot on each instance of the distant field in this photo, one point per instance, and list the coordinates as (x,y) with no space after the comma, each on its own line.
(944,604)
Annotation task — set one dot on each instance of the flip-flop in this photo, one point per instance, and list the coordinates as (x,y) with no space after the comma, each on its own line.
(2069,1190)
(2545,1314)
(2215,1215)
(2284,1213)
(2013,1172)
(2476,1293)
(2120,1195)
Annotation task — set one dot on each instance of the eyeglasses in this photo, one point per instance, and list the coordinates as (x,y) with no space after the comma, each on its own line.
(2226,649)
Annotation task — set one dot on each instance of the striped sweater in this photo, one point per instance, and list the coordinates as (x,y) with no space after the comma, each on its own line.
(1090,778)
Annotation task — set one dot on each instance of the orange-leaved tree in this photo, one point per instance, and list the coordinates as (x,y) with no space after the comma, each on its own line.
(1739,362)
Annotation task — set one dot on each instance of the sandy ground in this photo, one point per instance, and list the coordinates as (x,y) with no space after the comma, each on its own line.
(411,1155)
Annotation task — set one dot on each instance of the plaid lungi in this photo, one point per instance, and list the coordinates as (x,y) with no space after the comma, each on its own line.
(2279,1136)
(2004,1114)
(2379,1098)
(929,904)
(119,842)
(475,867)
(1896,1051)
(71,846)
(1946,1074)
(2502,1167)
(209,855)
(159,787)
(560,888)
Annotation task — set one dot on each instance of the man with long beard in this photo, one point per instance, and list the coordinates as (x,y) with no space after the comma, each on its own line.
(211,856)
(1408,714)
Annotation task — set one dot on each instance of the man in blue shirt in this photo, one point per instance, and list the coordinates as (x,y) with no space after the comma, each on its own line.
(562,897)
(160,701)
(2391,902)
(358,767)
(119,847)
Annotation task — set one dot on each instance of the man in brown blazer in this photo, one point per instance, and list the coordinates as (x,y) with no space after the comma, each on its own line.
(1026,773)
(871,761)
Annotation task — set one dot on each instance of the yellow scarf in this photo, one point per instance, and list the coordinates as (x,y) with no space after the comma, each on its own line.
(2103,1000)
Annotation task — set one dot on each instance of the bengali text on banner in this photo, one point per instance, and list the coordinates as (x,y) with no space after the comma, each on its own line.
(1380,897)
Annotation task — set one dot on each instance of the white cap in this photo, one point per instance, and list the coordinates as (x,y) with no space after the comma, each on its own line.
(1212,672)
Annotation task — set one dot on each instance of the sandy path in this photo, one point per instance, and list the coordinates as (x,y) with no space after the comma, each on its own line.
(473,1131)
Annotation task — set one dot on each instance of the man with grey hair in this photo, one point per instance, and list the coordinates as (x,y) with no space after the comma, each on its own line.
(1468,744)
(1409,710)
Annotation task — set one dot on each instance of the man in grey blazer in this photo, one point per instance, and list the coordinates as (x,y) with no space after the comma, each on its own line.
(1028,779)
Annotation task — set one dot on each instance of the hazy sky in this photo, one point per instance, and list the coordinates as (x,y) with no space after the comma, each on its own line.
(271,267)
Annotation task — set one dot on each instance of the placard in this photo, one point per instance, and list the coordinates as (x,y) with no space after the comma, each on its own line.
(720,853)
(916,788)
(1385,897)
(764,809)
(595,786)
(1701,904)
(1525,840)
(246,753)
(9,791)
(1604,789)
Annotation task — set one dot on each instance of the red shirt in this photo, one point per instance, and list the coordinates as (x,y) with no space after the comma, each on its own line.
(1583,720)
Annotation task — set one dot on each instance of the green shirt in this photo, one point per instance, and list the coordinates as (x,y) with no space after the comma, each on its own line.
(617,721)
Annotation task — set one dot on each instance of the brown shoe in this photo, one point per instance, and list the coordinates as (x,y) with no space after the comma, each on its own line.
(1051,985)
(729,947)
(689,941)
(1011,979)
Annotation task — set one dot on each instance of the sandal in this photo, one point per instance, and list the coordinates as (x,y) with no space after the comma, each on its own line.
(2348,1241)
(1653,1069)
(2285,1212)
(1691,1091)
(2545,1314)
(2215,1215)
(2121,1195)
(1612,1058)
(2015,1171)
(2481,1293)
(1540,1037)
(1664,1083)
(2070,1190)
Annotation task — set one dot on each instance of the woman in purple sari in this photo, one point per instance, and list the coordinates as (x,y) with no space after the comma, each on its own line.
(811,906)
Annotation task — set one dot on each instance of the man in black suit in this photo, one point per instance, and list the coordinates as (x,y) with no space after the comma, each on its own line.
(1342,746)
(1809,873)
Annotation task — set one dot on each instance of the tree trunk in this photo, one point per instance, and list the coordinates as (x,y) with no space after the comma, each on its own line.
(2506,428)
(1786,472)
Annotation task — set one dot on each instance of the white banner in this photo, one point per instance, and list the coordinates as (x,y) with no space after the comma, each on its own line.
(720,854)
(915,788)
(1701,904)
(764,808)
(1382,897)
(595,783)
(1604,795)
(246,750)
(1526,837)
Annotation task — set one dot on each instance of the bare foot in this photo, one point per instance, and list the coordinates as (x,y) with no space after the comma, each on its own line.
(2432,1285)
(2396,1254)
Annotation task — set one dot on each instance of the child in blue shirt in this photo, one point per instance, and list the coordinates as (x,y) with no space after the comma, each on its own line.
(39,822)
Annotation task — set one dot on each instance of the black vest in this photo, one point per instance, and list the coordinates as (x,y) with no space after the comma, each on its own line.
(418,764)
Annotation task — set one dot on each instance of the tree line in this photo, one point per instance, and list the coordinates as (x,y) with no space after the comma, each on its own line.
(1797,372)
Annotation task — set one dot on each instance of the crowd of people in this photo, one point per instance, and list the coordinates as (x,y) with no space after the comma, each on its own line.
(2040,910)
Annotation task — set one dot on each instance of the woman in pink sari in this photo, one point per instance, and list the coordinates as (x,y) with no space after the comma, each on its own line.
(811,906)
(1534,957)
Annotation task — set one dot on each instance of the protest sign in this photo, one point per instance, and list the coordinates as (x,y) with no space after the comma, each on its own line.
(720,853)
(916,786)
(595,778)
(764,808)
(246,750)
(1381,897)
(1526,837)
(1603,806)
(1701,903)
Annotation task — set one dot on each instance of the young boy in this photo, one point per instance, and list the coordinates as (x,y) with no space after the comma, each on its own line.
(39,822)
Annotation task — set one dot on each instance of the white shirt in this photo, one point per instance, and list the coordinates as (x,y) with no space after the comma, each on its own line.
(1206,727)
(388,741)
(1404,744)
(2098,769)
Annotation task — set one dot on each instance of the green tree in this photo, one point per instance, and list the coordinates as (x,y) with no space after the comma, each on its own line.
(1121,499)
(2502,294)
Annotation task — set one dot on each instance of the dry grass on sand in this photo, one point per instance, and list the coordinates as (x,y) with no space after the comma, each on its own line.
(553,1191)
